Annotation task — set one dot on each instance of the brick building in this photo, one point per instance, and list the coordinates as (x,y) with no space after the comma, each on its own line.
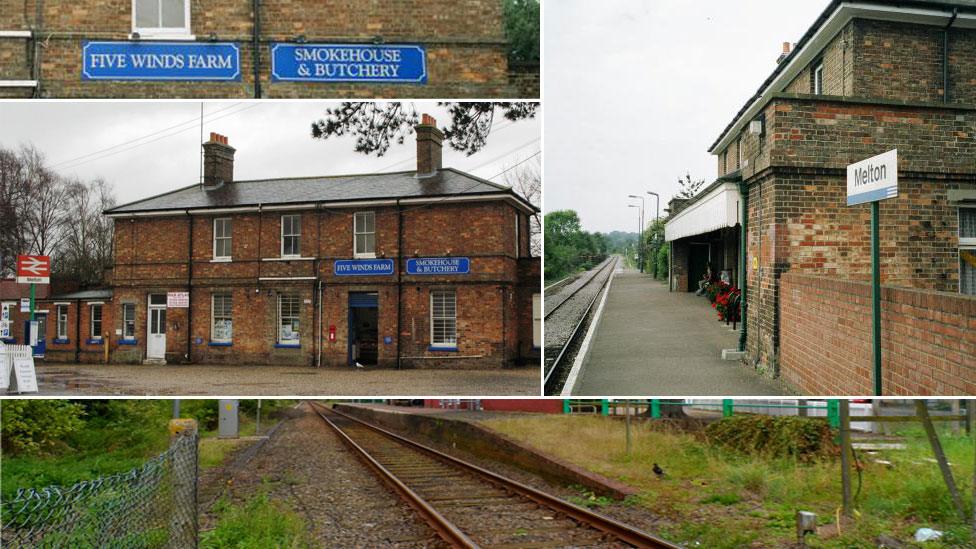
(866,78)
(218,48)
(426,268)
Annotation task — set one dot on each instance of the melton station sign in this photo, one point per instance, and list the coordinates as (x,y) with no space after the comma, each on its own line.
(33,269)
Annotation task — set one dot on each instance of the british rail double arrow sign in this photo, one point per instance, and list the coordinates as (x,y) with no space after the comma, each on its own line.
(33,269)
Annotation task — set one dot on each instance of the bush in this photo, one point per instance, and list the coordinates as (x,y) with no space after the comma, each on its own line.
(32,426)
(806,439)
(206,412)
(258,524)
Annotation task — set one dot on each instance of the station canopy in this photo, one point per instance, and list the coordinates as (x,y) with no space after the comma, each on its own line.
(714,208)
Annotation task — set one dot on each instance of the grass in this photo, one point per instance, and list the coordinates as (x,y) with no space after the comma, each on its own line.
(713,497)
(257,524)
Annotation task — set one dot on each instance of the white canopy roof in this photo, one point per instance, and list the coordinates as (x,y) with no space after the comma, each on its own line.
(717,209)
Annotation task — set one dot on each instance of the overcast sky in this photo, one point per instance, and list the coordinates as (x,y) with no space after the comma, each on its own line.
(273,139)
(637,91)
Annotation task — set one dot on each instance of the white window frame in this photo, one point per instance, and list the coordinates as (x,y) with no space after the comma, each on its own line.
(229,237)
(125,336)
(356,232)
(443,344)
(818,79)
(297,235)
(169,33)
(213,318)
(965,243)
(91,320)
(58,311)
(281,340)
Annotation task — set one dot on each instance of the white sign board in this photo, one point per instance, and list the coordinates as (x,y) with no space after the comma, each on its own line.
(25,378)
(178,300)
(25,305)
(873,179)
(34,325)
(4,329)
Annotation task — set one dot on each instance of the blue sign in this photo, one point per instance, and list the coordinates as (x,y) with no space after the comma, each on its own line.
(438,265)
(405,64)
(387,340)
(160,61)
(363,267)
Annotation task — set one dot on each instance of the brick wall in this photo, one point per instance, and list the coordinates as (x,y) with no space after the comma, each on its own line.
(466,45)
(928,339)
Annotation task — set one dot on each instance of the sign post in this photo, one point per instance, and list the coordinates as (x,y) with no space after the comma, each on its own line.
(33,270)
(872,180)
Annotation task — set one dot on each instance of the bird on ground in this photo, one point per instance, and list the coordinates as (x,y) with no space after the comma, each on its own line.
(358,365)
(658,472)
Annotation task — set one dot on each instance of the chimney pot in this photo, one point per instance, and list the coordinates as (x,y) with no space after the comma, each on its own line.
(787,47)
(429,146)
(218,162)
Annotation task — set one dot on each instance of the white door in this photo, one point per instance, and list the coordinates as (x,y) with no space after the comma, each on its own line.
(156,339)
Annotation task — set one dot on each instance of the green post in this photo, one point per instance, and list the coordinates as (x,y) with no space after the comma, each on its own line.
(655,407)
(743,264)
(876,298)
(566,407)
(32,303)
(833,413)
(604,407)
(728,407)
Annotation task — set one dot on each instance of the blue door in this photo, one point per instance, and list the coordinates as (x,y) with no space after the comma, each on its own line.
(41,347)
(363,344)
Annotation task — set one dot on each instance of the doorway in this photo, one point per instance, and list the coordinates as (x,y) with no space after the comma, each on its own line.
(363,328)
(698,258)
(156,338)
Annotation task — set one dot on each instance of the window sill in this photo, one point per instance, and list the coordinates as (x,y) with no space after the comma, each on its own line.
(128,342)
(288,258)
(220,344)
(221,260)
(92,341)
(364,256)
(60,341)
(8,340)
(149,35)
(288,346)
(442,349)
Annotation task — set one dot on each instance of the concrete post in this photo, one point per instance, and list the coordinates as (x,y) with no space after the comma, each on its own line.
(183,525)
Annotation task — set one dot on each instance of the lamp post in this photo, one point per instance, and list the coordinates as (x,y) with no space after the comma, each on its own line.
(640,230)
(640,233)
(657,215)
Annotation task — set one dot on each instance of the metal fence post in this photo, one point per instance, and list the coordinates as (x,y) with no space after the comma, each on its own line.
(605,407)
(566,407)
(183,522)
(728,407)
(833,413)
(655,407)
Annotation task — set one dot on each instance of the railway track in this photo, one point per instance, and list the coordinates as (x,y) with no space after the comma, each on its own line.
(468,506)
(566,314)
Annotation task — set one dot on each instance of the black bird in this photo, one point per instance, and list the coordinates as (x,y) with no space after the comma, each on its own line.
(658,471)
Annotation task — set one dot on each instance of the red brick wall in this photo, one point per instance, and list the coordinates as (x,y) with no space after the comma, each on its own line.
(928,339)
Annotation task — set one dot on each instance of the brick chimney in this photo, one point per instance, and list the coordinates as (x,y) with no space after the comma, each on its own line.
(429,140)
(787,48)
(218,162)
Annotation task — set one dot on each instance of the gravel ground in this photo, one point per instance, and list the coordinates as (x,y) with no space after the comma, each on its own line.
(307,468)
(117,379)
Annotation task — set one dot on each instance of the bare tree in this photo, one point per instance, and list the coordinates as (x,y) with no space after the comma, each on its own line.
(43,212)
(526,179)
(13,194)
(87,248)
(689,188)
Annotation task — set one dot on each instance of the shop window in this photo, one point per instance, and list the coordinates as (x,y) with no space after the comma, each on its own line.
(817,78)
(128,321)
(967,251)
(443,319)
(289,311)
(164,18)
(221,320)
(96,321)
(62,321)
(291,236)
(222,238)
(364,229)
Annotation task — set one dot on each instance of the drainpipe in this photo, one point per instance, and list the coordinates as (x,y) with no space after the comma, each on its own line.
(399,279)
(256,47)
(743,267)
(77,331)
(945,56)
(37,29)
(189,291)
(318,351)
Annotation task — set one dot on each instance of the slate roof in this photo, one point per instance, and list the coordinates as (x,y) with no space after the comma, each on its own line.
(341,188)
(963,5)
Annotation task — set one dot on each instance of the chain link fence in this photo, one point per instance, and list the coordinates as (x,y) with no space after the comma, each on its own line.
(149,506)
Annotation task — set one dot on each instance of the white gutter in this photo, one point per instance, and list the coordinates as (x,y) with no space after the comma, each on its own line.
(837,21)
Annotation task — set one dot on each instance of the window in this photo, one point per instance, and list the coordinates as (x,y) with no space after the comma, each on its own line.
(725,161)
(443,318)
(221,319)
(364,229)
(289,310)
(738,153)
(161,17)
(62,321)
(96,321)
(967,251)
(221,237)
(818,79)
(291,235)
(128,321)
(536,321)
